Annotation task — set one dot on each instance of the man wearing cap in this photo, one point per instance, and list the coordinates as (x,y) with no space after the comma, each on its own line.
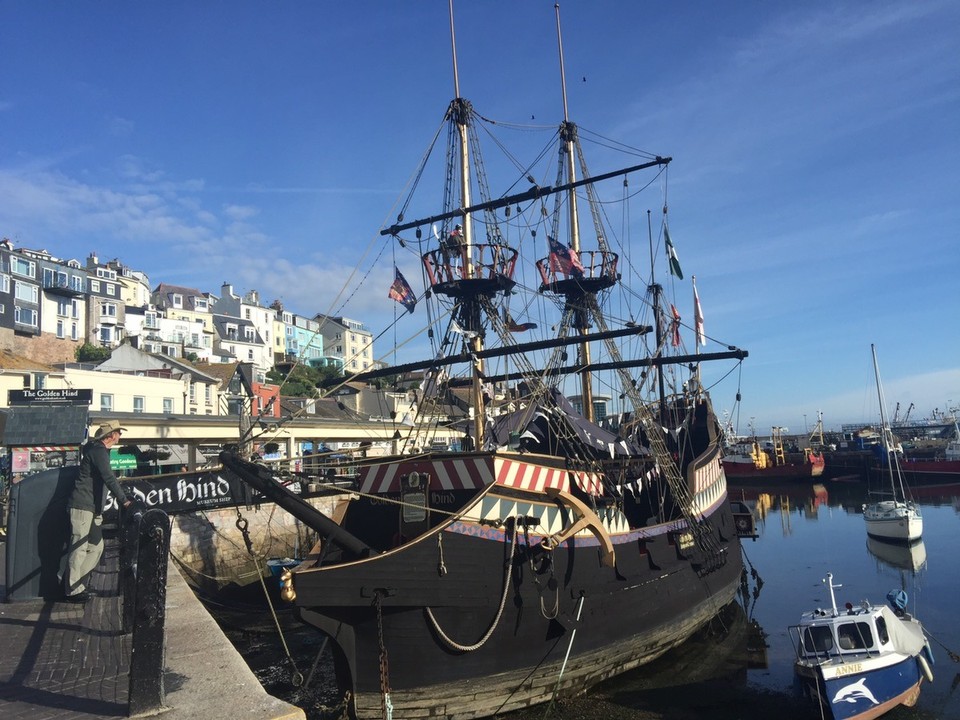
(86,508)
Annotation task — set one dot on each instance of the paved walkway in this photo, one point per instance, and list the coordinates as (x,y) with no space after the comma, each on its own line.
(71,662)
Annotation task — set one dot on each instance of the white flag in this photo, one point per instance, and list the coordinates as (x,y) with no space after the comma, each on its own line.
(698,315)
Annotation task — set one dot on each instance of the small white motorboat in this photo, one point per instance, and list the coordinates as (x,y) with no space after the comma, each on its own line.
(860,662)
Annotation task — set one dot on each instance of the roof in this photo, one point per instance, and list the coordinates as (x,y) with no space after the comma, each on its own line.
(45,425)
(166,288)
(223,372)
(11,361)
(187,367)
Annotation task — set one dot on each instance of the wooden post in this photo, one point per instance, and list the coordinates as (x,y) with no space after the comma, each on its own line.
(147,646)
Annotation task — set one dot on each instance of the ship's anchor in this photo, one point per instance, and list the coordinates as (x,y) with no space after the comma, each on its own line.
(588,520)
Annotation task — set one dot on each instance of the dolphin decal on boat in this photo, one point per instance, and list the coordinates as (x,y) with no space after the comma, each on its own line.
(853,692)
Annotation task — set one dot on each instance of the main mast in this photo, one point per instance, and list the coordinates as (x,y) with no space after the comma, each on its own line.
(460,110)
(568,134)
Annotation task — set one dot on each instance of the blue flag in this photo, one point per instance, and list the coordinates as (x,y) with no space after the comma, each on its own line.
(401,291)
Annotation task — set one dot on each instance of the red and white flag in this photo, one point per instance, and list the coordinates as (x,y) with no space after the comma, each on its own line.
(675,326)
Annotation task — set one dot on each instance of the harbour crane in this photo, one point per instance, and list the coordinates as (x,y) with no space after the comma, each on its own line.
(906,415)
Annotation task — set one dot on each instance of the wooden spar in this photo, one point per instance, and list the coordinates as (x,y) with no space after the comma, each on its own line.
(483,354)
(598,367)
(532,194)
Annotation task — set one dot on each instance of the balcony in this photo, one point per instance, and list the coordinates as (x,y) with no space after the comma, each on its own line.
(61,287)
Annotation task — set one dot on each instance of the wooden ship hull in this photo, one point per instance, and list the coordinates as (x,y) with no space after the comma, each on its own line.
(481,613)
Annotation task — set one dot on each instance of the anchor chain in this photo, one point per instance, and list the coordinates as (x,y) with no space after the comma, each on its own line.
(296,677)
(386,703)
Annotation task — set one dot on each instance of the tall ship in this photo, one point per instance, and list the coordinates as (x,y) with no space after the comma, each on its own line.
(551,548)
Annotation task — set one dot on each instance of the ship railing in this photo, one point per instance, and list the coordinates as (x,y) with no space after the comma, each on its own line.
(487,260)
(585,265)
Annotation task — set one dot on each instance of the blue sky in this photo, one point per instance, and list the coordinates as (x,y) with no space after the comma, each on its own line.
(814,189)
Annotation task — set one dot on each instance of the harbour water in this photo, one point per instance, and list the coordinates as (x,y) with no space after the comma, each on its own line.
(814,529)
(742,665)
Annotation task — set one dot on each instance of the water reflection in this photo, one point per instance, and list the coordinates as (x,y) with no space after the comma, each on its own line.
(912,557)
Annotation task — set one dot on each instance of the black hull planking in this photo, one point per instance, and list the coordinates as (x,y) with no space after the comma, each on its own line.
(654,598)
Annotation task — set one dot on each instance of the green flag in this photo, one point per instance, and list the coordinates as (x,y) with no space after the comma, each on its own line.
(672,255)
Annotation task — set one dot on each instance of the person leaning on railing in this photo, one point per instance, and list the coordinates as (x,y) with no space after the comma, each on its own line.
(86,509)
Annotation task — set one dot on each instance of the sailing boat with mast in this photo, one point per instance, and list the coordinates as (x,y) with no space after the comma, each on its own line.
(892,515)
(550,552)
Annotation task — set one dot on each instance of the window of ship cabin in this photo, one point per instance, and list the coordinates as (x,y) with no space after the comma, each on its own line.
(817,639)
(854,636)
(882,633)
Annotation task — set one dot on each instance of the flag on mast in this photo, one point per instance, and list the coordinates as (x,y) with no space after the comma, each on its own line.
(564,260)
(401,291)
(672,254)
(675,326)
(698,315)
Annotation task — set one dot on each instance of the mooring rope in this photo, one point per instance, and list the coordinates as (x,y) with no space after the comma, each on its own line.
(496,621)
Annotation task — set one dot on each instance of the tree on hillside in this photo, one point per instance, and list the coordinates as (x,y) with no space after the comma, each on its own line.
(91,353)
(302,380)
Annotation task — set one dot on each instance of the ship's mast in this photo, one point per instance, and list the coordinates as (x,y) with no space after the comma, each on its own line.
(461,116)
(568,133)
(888,445)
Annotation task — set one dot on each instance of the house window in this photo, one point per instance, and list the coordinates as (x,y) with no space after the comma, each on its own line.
(105,335)
(246,313)
(27,292)
(106,402)
(193,393)
(111,288)
(73,331)
(60,331)
(177,300)
(63,308)
(95,286)
(74,309)
(250,354)
(208,394)
(76,283)
(26,268)
(168,406)
(599,409)
(200,304)
(25,316)
(138,403)
(108,309)
(5,283)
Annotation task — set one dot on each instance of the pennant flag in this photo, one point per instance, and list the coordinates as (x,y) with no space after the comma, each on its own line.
(518,327)
(672,254)
(563,259)
(401,291)
(698,315)
(675,326)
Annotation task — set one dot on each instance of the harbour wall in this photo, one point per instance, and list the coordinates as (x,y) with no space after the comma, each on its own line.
(211,549)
